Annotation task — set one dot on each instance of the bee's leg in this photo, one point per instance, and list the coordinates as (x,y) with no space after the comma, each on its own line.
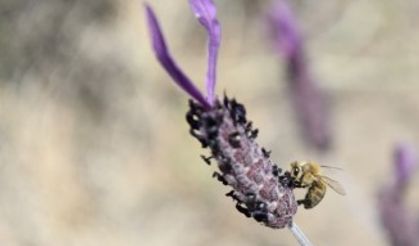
(306,202)
(301,201)
(298,184)
(302,186)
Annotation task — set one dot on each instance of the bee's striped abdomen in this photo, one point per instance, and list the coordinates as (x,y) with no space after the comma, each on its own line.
(315,194)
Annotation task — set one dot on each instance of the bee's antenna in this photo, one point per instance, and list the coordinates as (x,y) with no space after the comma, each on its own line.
(332,167)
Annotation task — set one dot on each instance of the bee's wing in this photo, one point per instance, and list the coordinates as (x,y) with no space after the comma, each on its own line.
(335,185)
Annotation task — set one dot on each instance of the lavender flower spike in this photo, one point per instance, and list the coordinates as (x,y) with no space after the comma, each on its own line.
(206,13)
(405,162)
(307,97)
(398,221)
(162,53)
(260,189)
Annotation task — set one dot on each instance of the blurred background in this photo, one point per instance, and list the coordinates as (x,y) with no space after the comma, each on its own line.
(94,148)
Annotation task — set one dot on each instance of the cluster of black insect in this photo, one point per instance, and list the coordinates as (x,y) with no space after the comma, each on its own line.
(225,130)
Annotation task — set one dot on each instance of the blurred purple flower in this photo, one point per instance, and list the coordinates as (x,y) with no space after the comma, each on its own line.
(260,189)
(283,29)
(405,160)
(308,99)
(402,228)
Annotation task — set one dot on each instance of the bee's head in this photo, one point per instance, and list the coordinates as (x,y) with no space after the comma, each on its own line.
(296,169)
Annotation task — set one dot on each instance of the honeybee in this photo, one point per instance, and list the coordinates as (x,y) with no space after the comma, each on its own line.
(308,175)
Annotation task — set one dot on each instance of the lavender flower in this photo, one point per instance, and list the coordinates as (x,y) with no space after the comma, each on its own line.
(260,189)
(307,97)
(398,221)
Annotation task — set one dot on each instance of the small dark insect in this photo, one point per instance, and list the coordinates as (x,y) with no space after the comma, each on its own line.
(234,140)
(207,159)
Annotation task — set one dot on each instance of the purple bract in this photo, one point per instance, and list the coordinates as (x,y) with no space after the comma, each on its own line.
(166,60)
(206,13)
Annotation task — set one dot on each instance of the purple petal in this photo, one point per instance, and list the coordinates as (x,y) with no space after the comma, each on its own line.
(283,28)
(405,161)
(206,13)
(165,59)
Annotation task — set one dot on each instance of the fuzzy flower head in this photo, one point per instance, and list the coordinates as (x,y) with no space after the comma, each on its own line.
(260,189)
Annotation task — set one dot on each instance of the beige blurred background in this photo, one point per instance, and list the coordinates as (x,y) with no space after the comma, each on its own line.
(94,148)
